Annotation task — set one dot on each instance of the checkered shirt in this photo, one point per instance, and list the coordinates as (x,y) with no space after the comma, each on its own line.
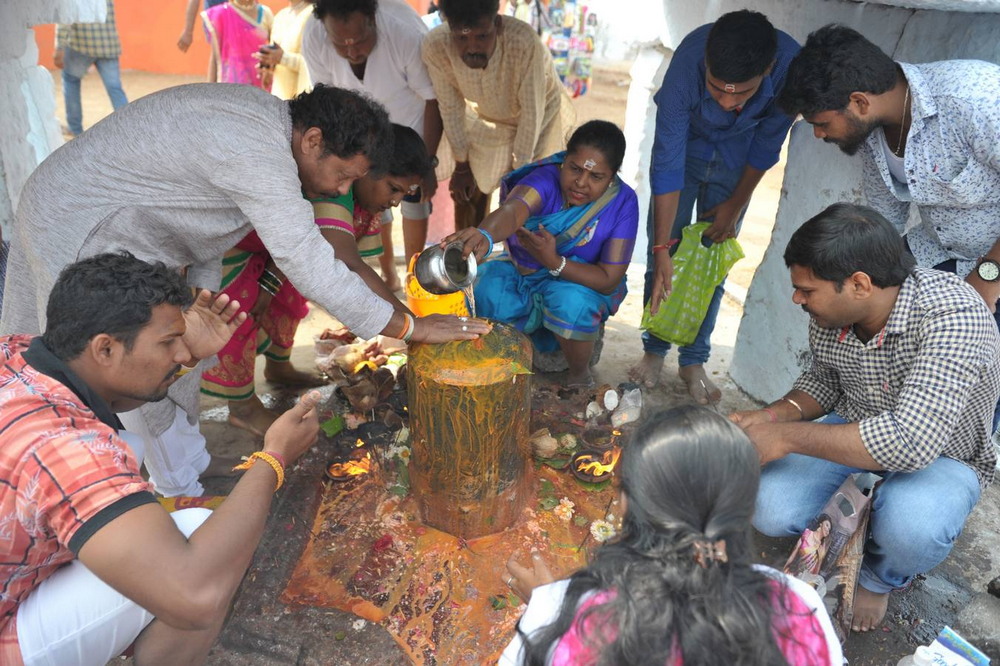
(98,40)
(925,386)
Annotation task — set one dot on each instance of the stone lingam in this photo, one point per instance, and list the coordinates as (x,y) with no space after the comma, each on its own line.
(469,406)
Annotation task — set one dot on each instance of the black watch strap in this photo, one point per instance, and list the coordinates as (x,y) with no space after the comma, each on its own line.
(988,270)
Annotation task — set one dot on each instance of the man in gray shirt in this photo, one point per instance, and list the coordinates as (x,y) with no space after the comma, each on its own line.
(182,175)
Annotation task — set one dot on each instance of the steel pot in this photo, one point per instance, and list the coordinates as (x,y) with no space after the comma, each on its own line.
(443,270)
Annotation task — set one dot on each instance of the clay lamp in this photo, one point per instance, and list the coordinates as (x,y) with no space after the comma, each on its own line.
(595,466)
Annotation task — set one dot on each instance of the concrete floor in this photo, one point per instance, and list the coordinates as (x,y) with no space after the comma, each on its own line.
(262,631)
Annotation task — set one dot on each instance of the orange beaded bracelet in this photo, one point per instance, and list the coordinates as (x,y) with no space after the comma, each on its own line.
(270,460)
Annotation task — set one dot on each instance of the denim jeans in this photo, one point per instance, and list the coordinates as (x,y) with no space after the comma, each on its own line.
(75,66)
(707,183)
(915,518)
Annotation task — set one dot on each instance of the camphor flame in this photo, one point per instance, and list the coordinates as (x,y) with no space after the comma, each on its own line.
(350,468)
(590,465)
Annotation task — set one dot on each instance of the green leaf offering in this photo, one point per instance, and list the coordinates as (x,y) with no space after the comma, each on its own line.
(595,487)
(332,427)
(548,503)
(555,463)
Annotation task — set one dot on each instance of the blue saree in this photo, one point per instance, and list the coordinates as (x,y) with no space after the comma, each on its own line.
(515,288)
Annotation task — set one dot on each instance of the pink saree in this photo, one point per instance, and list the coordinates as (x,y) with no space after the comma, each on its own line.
(235,37)
(273,336)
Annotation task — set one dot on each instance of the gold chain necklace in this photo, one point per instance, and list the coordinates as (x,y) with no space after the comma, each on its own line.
(902,123)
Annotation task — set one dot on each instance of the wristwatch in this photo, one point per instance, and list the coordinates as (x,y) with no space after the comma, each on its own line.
(988,270)
(434,161)
(554,272)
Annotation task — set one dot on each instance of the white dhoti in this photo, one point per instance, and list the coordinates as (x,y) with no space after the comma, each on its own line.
(73,617)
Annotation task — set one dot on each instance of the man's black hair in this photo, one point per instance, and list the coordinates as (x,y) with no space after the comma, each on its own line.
(342,9)
(352,123)
(847,238)
(602,135)
(409,154)
(467,13)
(835,62)
(108,293)
(741,45)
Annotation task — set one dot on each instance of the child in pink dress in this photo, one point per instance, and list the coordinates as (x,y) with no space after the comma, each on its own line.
(236,30)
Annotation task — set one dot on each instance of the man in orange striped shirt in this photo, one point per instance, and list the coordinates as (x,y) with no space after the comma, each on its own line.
(118,331)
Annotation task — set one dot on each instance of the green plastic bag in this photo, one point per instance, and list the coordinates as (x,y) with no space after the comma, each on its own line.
(698,270)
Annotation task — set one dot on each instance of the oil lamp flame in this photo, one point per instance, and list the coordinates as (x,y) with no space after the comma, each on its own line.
(341,471)
(596,467)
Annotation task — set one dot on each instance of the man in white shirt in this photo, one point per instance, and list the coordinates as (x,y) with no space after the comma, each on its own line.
(373,46)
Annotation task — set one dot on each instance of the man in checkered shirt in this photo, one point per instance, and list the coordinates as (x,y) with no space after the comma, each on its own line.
(80,45)
(905,373)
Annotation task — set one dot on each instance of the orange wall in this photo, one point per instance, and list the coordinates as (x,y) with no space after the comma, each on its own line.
(149,32)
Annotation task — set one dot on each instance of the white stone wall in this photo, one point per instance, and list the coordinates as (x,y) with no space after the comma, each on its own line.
(771,347)
(29,130)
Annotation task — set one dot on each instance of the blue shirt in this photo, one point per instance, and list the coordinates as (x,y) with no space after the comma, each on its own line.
(690,122)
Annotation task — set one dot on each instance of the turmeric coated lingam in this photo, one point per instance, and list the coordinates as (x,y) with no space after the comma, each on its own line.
(469,405)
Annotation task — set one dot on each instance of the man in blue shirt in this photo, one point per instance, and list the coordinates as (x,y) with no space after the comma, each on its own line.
(718,129)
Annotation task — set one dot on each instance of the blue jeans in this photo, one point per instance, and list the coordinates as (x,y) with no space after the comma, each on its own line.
(707,183)
(915,518)
(75,66)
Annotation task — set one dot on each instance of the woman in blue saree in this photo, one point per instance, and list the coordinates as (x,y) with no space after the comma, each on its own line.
(568,225)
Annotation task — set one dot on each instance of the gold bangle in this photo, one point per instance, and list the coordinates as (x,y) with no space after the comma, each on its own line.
(270,460)
(802,414)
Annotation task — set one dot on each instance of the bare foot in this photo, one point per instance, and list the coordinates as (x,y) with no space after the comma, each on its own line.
(283,372)
(699,385)
(583,380)
(869,609)
(251,415)
(647,370)
(392,281)
(220,466)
